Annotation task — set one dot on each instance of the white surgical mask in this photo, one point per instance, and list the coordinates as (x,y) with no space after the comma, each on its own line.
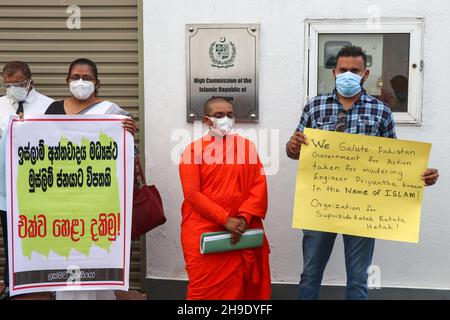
(221,126)
(17,93)
(81,89)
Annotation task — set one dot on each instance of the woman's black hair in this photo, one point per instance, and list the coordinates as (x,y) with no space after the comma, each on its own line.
(84,61)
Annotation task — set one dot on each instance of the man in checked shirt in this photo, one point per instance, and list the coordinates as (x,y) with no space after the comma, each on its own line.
(347,109)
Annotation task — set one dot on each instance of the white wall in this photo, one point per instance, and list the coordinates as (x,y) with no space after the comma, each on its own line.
(424,265)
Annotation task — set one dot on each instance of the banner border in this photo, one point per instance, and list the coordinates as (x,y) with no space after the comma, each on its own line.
(81,284)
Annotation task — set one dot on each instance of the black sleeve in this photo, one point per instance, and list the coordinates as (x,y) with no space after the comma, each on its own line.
(56,107)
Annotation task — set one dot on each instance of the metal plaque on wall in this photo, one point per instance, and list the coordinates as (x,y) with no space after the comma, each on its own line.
(222,60)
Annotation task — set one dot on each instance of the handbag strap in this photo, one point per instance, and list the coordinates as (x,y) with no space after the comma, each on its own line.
(138,165)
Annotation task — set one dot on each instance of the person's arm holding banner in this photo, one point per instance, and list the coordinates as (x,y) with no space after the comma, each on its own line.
(430,176)
(130,125)
(294,145)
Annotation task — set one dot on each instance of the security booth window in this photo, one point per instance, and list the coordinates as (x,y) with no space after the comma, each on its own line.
(393,50)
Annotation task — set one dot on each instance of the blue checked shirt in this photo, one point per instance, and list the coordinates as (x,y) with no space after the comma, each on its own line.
(368,115)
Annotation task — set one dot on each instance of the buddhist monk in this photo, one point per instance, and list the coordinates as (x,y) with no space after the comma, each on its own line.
(224,188)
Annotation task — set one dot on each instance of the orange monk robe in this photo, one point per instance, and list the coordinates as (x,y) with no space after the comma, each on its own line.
(223,178)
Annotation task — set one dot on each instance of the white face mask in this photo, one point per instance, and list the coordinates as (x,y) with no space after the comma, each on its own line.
(17,93)
(81,89)
(221,126)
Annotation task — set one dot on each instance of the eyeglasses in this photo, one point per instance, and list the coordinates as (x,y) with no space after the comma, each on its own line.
(76,77)
(23,84)
(340,126)
(220,115)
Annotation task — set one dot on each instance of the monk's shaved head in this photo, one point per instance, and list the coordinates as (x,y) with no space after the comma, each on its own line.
(208,107)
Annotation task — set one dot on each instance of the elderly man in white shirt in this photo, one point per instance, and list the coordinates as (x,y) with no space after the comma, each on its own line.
(20,98)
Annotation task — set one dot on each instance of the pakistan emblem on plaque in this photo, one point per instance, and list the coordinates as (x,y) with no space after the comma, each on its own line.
(222,53)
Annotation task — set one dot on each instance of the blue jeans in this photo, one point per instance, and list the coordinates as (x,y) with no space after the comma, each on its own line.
(317,247)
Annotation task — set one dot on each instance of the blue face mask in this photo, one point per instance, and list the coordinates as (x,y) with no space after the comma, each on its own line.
(348,84)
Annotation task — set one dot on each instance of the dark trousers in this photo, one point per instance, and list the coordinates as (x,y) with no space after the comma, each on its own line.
(5,244)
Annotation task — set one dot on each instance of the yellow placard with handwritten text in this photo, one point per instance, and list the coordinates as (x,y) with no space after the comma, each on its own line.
(360,185)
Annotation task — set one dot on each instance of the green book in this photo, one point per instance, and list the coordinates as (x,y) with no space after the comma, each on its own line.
(212,242)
